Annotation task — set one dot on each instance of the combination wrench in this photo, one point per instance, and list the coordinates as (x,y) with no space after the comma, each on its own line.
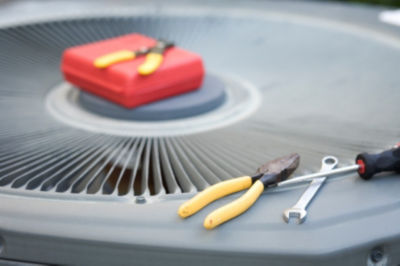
(298,211)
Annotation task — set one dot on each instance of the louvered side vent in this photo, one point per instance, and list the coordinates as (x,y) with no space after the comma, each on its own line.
(99,164)
(96,164)
(40,154)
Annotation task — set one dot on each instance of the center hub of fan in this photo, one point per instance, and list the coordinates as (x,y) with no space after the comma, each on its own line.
(221,101)
(209,96)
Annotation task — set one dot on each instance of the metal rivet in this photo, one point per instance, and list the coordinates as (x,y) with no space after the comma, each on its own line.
(140,199)
(2,244)
(376,254)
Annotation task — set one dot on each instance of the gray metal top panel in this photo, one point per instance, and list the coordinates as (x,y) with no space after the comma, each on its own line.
(332,68)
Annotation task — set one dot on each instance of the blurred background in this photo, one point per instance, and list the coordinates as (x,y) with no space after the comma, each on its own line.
(375,2)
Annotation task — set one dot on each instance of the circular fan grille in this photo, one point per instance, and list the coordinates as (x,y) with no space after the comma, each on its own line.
(321,92)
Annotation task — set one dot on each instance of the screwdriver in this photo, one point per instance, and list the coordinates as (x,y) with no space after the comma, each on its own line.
(367,165)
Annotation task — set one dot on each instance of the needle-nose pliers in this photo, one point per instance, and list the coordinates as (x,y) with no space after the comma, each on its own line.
(154,57)
(268,174)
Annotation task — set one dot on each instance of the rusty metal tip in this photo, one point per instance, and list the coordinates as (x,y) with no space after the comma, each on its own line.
(287,163)
(295,157)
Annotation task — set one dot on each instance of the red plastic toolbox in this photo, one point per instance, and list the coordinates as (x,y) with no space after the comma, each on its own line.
(181,71)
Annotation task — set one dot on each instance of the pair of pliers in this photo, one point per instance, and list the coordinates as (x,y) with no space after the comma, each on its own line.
(154,57)
(268,174)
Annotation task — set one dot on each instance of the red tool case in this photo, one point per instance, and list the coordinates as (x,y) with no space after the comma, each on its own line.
(181,71)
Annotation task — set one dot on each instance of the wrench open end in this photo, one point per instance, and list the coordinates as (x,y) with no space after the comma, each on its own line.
(294,216)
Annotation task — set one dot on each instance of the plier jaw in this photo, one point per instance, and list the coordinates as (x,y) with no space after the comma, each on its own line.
(158,48)
(161,46)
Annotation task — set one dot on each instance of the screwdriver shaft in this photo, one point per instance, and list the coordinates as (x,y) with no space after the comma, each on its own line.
(304,178)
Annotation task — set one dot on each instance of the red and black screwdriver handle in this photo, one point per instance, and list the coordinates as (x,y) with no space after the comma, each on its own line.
(371,164)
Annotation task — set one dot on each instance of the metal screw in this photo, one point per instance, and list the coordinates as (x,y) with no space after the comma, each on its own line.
(140,199)
(376,254)
(1,244)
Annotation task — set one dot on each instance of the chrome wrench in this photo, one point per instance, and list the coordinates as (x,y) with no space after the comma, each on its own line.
(298,211)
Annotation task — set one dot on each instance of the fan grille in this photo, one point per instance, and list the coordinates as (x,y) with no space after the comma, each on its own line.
(42,154)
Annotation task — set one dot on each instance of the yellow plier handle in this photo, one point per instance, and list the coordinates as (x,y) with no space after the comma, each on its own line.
(213,193)
(112,58)
(235,208)
(154,58)
(151,63)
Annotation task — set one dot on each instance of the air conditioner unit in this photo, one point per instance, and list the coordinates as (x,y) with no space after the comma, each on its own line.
(83,182)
